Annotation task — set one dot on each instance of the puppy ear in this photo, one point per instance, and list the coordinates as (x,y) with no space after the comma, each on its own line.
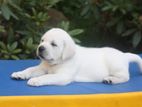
(69,50)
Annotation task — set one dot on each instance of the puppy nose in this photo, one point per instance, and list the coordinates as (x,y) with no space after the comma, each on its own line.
(41,48)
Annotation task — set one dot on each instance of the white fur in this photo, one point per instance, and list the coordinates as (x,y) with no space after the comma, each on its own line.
(73,63)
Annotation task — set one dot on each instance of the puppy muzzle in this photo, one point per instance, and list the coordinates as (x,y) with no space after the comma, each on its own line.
(40,51)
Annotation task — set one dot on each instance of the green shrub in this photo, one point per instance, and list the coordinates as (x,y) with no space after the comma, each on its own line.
(22,23)
(116,23)
(106,22)
(125,18)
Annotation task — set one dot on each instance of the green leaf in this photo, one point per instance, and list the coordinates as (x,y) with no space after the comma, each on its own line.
(136,39)
(14,16)
(9,48)
(40,15)
(4,51)
(76,40)
(52,2)
(23,32)
(76,32)
(129,32)
(5,11)
(28,15)
(34,11)
(13,46)
(123,11)
(30,42)
(106,8)
(113,22)
(120,28)
(14,5)
(27,52)
(2,29)
(6,56)
(2,45)
(85,10)
(17,51)
(64,25)
(114,8)
(14,57)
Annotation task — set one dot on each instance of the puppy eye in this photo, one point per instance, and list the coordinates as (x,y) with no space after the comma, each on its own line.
(53,44)
(42,40)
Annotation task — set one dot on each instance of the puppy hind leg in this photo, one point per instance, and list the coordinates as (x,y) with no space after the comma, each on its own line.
(117,78)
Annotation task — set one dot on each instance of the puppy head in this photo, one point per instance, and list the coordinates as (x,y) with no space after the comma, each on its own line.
(56,46)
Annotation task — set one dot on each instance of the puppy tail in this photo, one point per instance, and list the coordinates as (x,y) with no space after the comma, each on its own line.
(134,58)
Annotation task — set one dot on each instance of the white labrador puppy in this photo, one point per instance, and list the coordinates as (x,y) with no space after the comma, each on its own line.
(63,62)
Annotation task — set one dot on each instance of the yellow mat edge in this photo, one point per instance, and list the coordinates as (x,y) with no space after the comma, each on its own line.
(130,99)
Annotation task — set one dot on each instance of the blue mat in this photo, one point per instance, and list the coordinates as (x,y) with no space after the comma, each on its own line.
(9,87)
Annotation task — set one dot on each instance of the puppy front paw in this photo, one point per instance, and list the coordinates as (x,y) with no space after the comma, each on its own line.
(35,82)
(19,75)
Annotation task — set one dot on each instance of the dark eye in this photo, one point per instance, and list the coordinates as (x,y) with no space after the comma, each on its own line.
(42,40)
(54,44)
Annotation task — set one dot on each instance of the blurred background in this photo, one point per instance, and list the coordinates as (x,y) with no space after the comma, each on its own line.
(91,23)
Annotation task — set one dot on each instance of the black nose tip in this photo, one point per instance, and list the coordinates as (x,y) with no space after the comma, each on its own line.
(41,48)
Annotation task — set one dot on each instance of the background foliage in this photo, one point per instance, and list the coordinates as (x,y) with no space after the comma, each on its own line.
(116,23)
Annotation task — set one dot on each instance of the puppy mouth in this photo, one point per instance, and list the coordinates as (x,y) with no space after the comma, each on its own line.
(40,55)
(50,60)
